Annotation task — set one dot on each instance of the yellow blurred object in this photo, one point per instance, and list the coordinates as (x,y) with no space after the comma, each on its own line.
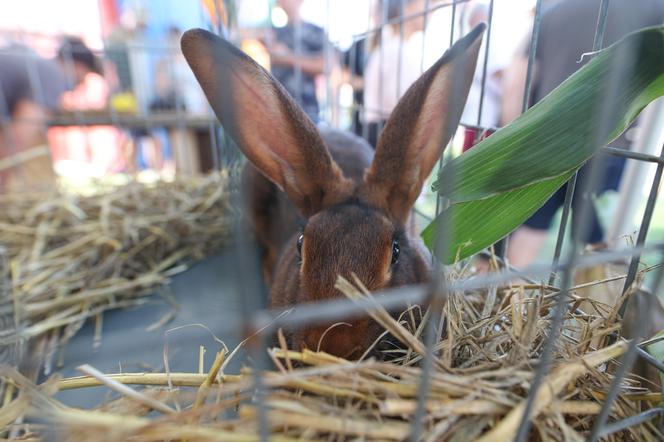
(211,8)
(256,50)
(124,102)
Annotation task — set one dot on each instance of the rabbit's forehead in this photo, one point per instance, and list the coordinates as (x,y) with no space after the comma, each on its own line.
(345,240)
(353,220)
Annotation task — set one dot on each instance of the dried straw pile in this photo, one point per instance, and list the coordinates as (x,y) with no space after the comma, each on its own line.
(478,386)
(66,258)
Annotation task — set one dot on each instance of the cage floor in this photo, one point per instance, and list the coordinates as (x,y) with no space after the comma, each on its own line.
(204,295)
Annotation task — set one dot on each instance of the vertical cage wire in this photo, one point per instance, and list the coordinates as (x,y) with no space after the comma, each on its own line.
(581,223)
(628,359)
(532,51)
(645,225)
(5,121)
(398,90)
(424,35)
(485,64)
(367,40)
(571,184)
(9,344)
(438,290)
(440,160)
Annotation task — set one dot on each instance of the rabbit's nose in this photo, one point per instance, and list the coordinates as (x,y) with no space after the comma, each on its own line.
(344,339)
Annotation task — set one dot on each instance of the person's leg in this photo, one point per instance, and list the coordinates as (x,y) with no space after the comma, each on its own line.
(372,134)
(591,231)
(129,149)
(526,242)
(153,157)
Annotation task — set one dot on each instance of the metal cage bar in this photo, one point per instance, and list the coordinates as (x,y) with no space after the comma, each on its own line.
(571,184)
(627,360)
(438,288)
(485,64)
(645,225)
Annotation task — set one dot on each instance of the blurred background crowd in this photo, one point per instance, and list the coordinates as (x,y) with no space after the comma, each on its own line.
(97,89)
(68,62)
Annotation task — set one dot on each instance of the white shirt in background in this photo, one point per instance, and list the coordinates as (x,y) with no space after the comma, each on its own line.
(511,21)
(392,67)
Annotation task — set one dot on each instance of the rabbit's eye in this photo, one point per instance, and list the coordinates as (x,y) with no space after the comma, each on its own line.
(300,240)
(395,251)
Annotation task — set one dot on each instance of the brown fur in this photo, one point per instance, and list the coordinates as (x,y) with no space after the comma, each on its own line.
(351,205)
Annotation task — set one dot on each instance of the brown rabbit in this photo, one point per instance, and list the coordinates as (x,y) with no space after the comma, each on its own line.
(353,205)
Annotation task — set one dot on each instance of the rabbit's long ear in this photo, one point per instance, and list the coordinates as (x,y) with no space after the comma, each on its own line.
(420,127)
(268,126)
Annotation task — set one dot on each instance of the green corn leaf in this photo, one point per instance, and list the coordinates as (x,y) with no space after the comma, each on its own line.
(504,179)
(508,210)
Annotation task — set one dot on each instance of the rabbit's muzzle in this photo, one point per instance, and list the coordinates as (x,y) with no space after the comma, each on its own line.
(345,339)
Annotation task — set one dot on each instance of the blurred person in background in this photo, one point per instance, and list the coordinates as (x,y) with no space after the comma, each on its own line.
(31,89)
(176,92)
(297,56)
(476,13)
(508,22)
(94,147)
(353,62)
(567,31)
(175,85)
(395,60)
(129,50)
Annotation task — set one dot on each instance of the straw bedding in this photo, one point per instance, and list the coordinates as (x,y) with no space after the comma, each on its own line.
(66,258)
(483,368)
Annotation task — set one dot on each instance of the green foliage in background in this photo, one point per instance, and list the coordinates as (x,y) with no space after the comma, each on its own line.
(499,183)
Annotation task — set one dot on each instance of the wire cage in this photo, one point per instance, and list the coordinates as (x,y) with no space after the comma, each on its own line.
(339,107)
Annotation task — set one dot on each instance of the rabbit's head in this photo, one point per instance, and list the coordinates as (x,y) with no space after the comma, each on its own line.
(352,224)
